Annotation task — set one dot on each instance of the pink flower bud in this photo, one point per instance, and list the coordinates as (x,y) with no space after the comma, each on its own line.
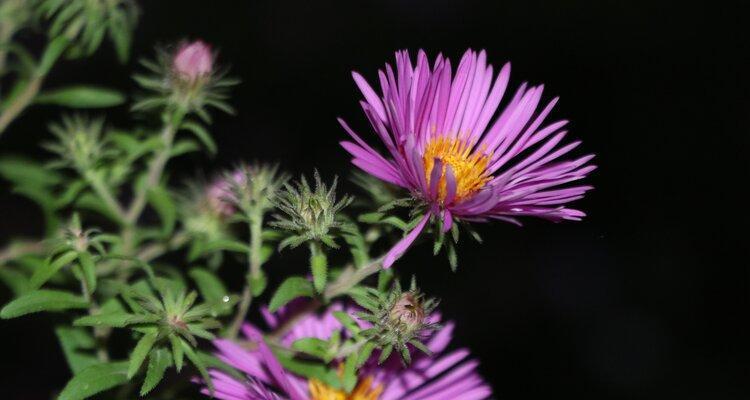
(408,311)
(193,60)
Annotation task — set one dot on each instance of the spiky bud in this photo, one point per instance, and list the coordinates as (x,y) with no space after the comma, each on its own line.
(79,142)
(310,214)
(251,189)
(400,320)
(187,78)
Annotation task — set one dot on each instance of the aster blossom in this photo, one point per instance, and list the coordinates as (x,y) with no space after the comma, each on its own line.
(462,156)
(446,375)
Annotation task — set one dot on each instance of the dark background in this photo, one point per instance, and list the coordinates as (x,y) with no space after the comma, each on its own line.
(640,300)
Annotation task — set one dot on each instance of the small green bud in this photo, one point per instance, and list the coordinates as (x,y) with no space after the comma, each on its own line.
(399,319)
(309,214)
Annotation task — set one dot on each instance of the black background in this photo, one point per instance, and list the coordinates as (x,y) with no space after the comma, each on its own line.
(640,300)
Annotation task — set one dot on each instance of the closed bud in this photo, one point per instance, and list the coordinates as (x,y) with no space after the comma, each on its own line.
(193,61)
(310,213)
(400,320)
(408,312)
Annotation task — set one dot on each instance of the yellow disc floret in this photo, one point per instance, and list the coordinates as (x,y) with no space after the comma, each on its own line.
(469,168)
(363,391)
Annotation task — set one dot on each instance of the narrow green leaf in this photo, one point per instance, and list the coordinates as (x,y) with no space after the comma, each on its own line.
(289,290)
(89,270)
(42,300)
(177,352)
(50,268)
(114,319)
(16,281)
(198,363)
(158,362)
(349,377)
(81,96)
(161,200)
(202,134)
(209,285)
(77,345)
(364,353)
(141,351)
(347,321)
(52,52)
(312,346)
(28,172)
(258,284)
(225,245)
(95,379)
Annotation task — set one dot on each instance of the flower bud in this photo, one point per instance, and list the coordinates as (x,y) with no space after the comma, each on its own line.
(408,311)
(400,320)
(310,214)
(193,61)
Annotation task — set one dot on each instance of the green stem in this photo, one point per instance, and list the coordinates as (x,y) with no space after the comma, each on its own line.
(53,51)
(15,250)
(102,190)
(255,262)
(101,334)
(172,121)
(156,167)
(21,102)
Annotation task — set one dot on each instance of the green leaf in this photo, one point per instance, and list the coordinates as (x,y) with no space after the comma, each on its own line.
(141,351)
(52,52)
(289,290)
(27,172)
(183,146)
(81,97)
(75,343)
(15,280)
(347,321)
(312,346)
(202,134)
(50,268)
(42,300)
(211,288)
(95,379)
(89,270)
(161,200)
(177,353)
(158,361)
(114,319)
(258,284)
(225,245)
(349,377)
(198,363)
(365,352)
(319,267)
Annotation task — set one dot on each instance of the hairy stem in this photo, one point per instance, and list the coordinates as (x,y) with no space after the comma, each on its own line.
(254,262)
(156,167)
(101,334)
(102,190)
(20,103)
(15,250)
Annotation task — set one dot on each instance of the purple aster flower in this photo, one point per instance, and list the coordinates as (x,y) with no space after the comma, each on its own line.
(446,375)
(455,149)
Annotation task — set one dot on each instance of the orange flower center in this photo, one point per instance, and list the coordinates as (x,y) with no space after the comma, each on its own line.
(469,168)
(363,391)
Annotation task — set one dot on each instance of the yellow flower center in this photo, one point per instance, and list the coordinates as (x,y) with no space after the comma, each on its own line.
(469,168)
(363,391)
